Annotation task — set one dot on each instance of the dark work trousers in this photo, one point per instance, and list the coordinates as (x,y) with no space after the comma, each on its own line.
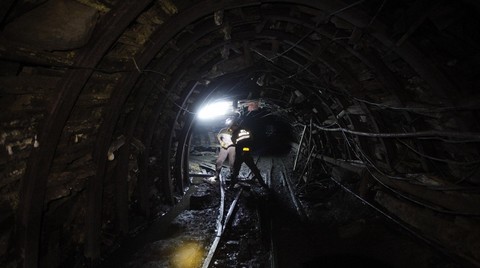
(245,157)
(222,156)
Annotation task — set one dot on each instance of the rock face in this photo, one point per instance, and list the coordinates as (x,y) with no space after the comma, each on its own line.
(56,25)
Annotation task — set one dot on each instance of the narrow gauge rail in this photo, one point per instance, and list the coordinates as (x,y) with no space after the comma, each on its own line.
(261,211)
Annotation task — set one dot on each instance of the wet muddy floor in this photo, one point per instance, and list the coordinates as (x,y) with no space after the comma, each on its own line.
(267,230)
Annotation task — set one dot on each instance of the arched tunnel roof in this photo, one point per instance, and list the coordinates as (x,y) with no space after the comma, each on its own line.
(93,91)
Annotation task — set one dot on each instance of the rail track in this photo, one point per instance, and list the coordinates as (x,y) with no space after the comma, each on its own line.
(254,205)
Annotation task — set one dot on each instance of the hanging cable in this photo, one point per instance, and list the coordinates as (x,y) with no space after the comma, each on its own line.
(346,8)
(396,191)
(292,47)
(367,160)
(438,159)
(423,204)
(161,88)
(394,220)
(308,34)
(376,14)
(167,95)
(469,136)
(420,110)
(446,140)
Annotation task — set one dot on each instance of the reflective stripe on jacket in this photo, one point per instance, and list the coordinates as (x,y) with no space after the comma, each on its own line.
(242,135)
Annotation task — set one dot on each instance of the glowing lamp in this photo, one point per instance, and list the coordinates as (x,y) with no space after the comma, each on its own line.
(215,110)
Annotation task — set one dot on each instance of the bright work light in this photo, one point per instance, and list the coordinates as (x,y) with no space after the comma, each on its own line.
(215,110)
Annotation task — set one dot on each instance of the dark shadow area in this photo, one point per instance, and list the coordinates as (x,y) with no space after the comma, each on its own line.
(272,134)
(345,261)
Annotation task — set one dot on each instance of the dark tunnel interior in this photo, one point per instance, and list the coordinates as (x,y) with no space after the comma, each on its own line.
(365,130)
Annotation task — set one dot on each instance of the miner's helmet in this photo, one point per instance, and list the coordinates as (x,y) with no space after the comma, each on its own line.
(235,123)
(233,120)
(228,121)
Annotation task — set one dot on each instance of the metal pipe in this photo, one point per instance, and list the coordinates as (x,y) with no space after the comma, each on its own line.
(308,161)
(299,147)
(221,227)
(211,252)
(470,136)
(398,222)
(230,210)
(358,168)
(295,202)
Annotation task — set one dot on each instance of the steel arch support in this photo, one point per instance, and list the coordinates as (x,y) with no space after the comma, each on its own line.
(32,191)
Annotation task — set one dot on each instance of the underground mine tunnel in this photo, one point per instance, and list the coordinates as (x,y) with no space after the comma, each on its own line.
(367,133)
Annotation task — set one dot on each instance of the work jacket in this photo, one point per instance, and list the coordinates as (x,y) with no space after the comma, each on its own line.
(242,137)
